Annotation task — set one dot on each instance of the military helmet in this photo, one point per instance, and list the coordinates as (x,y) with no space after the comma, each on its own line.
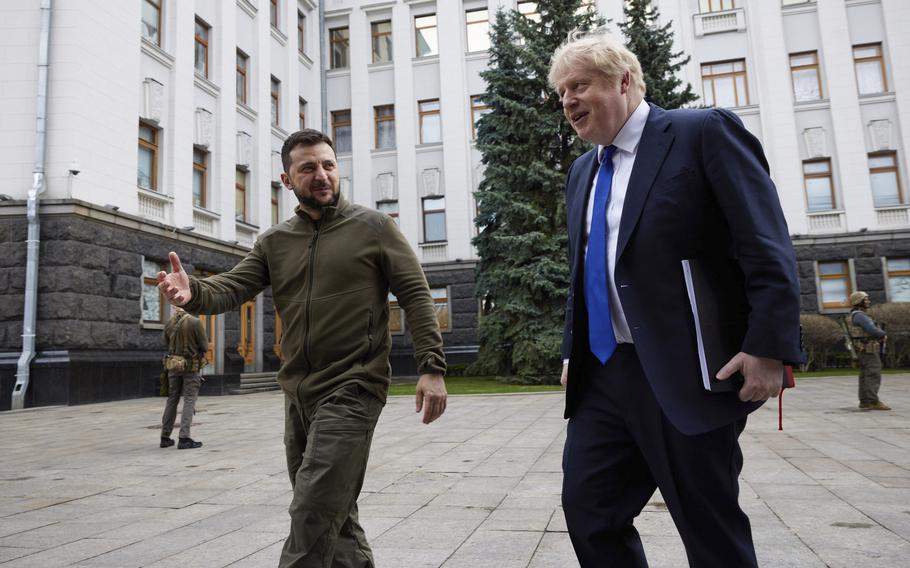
(856,298)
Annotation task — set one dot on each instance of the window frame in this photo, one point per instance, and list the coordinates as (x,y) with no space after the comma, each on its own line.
(448,303)
(242,73)
(159,7)
(733,74)
(153,147)
(152,281)
(710,4)
(895,169)
(393,214)
(275,14)
(345,41)
(468,24)
(203,167)
(394,305)
(301,32)
(880,58)
(815,66)
(340,124)
(424,213)
(275,207)
(275,101)
(377,119)
(435,50)
(846,275)
(301,112)
(240,187)
(814,175)
(422,113)
(896,273)
(374,35)
(204,42)
(481,107)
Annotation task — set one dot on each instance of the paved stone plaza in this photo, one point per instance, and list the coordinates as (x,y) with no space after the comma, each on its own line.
(88,486)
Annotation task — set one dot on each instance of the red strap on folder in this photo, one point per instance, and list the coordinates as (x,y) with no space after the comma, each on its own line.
(789,383)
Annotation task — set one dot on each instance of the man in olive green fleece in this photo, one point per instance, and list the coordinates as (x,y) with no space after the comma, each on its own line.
(331,268)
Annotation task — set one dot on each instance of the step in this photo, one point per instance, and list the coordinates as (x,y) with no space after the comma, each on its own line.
(253,390)
(256,382)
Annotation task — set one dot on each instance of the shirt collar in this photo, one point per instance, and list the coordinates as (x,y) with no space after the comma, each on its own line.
(629,135)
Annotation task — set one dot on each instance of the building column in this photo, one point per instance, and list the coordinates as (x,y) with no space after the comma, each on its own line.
(360,52)
(456,137)
(405,122)
(259,77)
(850,160)
(178,152)
(897,21)
(778,122)
(225,159)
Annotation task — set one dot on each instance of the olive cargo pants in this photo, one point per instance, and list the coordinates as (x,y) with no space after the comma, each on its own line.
(870,377)
(327,454)
(186,385)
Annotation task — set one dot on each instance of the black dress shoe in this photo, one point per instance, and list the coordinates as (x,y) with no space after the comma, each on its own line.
(166,442)
(188,444)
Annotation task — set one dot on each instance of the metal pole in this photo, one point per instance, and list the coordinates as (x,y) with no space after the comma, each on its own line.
(34,227)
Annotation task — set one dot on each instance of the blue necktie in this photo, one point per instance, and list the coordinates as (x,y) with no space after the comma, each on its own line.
(597,292)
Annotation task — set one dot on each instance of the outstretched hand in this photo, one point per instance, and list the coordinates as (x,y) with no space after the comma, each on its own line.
(431,396)
(176,285)
(763,376)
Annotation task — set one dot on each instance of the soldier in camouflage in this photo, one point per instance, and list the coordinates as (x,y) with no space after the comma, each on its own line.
(867,340)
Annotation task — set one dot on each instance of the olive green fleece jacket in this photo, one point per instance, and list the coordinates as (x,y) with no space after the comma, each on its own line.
(330,282)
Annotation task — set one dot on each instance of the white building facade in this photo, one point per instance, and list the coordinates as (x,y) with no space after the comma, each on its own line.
(166,119)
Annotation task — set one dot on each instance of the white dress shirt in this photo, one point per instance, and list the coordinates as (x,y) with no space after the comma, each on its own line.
(626,142)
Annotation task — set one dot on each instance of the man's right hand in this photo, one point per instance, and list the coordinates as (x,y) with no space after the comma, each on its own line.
(565,374)
(176,285)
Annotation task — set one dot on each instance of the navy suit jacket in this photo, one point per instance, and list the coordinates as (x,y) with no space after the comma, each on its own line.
(700,188)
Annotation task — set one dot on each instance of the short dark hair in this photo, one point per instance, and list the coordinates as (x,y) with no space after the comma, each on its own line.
(305,137)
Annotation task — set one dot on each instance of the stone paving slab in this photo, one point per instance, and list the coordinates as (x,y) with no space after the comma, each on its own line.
(87,486)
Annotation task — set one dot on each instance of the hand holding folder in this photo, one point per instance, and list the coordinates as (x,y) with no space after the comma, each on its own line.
(721,315)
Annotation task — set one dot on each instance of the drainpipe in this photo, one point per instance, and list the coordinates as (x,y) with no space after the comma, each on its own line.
(38,187)
(323,92)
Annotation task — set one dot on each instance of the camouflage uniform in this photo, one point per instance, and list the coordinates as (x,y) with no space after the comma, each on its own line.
(866,338)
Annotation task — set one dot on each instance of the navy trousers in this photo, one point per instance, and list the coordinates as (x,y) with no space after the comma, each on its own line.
(620,447)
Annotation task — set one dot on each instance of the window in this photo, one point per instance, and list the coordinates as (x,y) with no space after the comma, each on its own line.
(243,63)
(275,188)
(834,284)
(147,170)
(152,299)
(390,208)
(819,185)
(477,23)
(275,94)
(301,112)
(426,35)
(792,2)
(396,322)
(434,219)
(478,109)
(151,21)
(201,60)
(273,13)
(705,6)
(898,270)
(301,32)
(200,173)
(807,85)
(886,184)
(240,195)
(430,122)
(724,83)
(209,323)
(384,117)
(341,131)
(247,346)
(441,305)
(382,41)
(870,69)
(529,11)
(339,40)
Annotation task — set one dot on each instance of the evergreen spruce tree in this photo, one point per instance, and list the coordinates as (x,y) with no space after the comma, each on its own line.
(653,46)
(527,147)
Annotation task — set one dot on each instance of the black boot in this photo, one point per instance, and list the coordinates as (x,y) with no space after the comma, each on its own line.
(188,444)
(166,442)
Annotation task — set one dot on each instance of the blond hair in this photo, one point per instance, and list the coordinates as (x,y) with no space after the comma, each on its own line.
(596,51)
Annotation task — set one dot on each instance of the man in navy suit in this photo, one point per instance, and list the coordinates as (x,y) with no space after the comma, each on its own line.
(659,187)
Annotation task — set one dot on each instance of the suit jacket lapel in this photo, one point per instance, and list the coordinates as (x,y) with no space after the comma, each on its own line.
(652,150)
